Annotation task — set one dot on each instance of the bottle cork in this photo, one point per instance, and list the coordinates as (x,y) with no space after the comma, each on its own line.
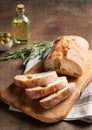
(20,6)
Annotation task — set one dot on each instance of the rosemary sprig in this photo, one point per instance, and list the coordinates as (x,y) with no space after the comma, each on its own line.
(27,53)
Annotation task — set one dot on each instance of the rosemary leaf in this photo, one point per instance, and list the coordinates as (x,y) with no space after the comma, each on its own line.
(28,53)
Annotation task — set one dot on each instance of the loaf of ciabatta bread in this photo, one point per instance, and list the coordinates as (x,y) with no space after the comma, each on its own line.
(34,80)
(68,56)
(53,99)
(50,88)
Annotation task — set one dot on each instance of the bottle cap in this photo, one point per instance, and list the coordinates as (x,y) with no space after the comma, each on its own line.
(20,6)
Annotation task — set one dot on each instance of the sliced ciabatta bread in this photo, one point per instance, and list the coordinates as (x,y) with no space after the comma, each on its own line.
(68,56)
(52,100)
(39,92)
(34,80)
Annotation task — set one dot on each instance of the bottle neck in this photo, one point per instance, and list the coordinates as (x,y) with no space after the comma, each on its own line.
(20,12)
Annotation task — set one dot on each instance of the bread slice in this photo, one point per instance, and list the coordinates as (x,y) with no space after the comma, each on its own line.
(34,80)
(68,56)
(39,92)
(52,100)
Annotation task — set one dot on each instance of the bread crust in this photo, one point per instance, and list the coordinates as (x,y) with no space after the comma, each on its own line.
(68,56)
(34,80)
(52,100)
(40,92)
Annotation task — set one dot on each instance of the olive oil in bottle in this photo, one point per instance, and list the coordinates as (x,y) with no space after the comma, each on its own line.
(21,26)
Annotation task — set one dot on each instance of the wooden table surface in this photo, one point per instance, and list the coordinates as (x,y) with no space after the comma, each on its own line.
(49,19)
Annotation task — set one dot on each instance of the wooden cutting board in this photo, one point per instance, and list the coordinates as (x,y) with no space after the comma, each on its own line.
(15,96)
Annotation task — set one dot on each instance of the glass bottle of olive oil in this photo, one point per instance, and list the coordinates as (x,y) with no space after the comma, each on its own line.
(21,26)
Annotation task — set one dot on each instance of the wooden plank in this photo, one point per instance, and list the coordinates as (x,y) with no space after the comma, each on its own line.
(15,96)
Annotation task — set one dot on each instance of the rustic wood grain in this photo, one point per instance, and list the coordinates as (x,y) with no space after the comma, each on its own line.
(49,19)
